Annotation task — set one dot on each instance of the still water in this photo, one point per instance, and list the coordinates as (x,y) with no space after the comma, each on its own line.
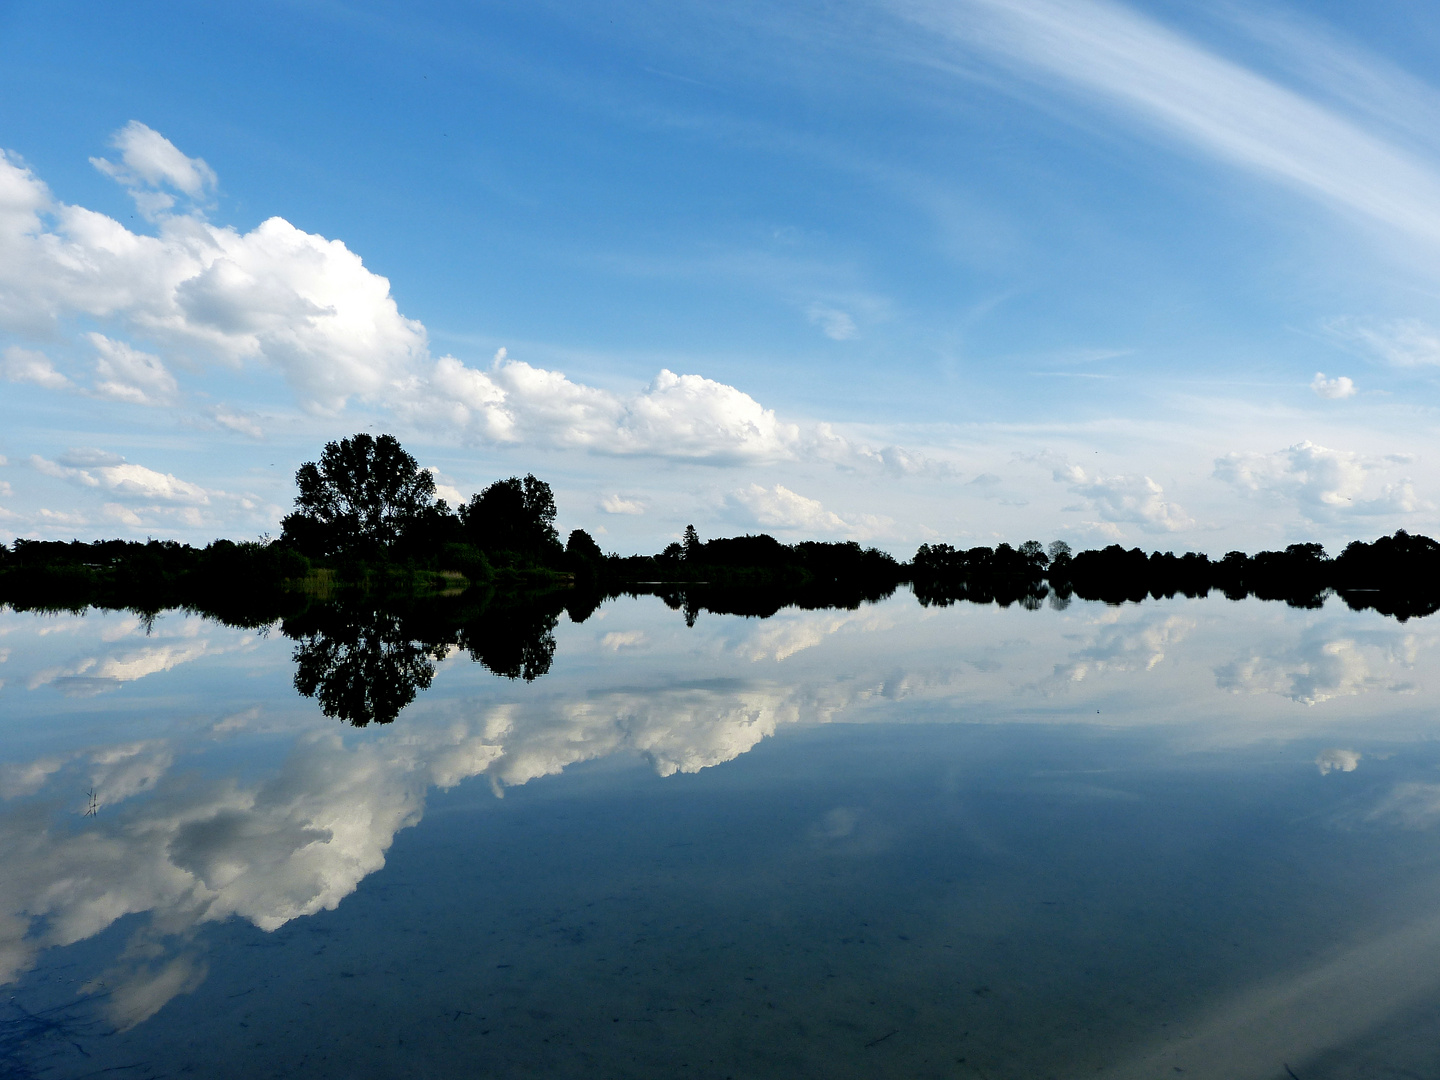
(1186,838)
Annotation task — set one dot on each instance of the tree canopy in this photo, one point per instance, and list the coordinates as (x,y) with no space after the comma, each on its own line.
(359,498)
(513,515)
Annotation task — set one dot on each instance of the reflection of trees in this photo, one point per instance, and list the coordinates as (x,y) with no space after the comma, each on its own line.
(363,665)
(365,661)
(517,641)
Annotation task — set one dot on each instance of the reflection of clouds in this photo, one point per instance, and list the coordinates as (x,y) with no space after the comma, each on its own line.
(179,641)
(93,674)
(276,848)
(788,633)
(144,980)
(1413,804)
(618,640)
(837,823)
(1338,761)
(115,773)
(1322,667)
(1136,645)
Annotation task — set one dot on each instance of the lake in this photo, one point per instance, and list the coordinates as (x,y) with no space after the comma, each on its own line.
(1182,838)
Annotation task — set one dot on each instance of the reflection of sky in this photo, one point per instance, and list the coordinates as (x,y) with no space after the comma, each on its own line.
(220,794)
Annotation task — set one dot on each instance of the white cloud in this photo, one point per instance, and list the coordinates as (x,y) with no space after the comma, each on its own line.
(833,323)
(30,366)
(780,508)
(238,421)
(308,308)
(1322,483)
(298,303)
(677,416)
(128,481)
(123,514)
(1190,95)
(1336,760)
(126,374)
(1120,498)
(619,504)
(149,160)
(444,490)
(1334,389)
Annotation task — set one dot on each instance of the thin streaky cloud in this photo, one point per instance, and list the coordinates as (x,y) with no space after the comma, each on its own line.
(1206,101)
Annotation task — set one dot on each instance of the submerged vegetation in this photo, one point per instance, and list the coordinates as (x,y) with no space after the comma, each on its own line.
(376,580)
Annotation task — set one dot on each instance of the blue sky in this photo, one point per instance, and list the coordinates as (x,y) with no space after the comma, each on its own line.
(1162,273)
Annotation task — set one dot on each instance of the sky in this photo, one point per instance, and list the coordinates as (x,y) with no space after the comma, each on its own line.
(897,271)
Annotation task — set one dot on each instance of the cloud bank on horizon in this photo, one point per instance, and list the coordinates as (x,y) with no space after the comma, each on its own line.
(199,349)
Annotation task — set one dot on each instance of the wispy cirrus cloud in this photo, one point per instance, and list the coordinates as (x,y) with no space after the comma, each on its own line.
(1188,94)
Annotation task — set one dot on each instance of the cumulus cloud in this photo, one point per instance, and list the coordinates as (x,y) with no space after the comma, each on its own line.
(299,303)
(147,157)
(127,374)
(127,480)
(149,162)
(308,308)
(30,366)
(1321,482)
(1335,389)
(444,489)
(676,416)
(1134,499)
(780,508)
(619,504)
(135,495)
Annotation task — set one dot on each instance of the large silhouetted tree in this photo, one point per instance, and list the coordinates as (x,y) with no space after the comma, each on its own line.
(359,498)
(514,515)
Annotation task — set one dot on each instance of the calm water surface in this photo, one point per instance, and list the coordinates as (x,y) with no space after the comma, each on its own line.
(1187,838)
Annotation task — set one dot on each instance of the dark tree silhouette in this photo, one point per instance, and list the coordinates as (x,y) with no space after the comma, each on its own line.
(358,499)
(517,642)
(513,515)
(362,665)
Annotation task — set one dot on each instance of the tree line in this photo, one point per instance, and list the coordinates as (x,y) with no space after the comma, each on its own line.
(366,514)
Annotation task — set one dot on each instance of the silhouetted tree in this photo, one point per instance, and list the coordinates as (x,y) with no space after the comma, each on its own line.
(358,498)
(362,665)
(517,642)
(690,543)
(514,515)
